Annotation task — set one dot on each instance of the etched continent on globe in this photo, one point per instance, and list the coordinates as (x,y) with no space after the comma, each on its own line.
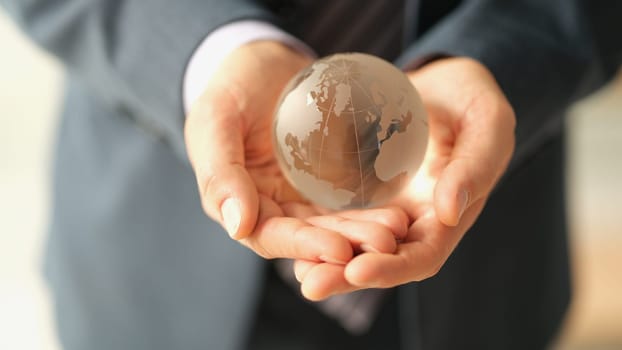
(350,131)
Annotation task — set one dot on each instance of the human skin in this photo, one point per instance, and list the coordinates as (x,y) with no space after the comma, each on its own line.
(471,142)
(228,138)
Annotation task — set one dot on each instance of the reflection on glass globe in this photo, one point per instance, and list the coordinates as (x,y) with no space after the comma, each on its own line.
(350,131)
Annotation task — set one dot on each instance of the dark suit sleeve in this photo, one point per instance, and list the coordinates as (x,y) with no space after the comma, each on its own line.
(131,53)
(544,54)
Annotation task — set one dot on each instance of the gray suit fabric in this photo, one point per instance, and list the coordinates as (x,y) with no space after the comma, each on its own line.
(133,262)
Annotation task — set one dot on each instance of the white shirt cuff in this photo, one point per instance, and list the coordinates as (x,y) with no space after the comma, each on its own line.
(220,43)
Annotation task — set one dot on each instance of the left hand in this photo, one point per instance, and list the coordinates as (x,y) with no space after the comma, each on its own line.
(470,145)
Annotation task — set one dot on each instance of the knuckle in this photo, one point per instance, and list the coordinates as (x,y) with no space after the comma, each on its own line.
(383,239)
(511,117)
(299,240)
(226,95)
(257,247)
(434,270)
(207,183)
(488,170)
(429,272)
(436,260)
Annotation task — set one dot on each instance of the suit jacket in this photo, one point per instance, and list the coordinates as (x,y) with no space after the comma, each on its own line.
(135,264)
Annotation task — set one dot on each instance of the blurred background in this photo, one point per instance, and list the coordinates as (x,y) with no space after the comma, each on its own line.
(30,89)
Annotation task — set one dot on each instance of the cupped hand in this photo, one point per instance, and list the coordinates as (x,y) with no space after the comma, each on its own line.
(228,139)
(471,142)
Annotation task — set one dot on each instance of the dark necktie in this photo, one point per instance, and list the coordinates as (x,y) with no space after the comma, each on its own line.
(371,26)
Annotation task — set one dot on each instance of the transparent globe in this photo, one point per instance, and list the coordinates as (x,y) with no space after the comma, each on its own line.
(350,131)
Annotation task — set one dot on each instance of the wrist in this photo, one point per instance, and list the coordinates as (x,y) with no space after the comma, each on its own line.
(218,46)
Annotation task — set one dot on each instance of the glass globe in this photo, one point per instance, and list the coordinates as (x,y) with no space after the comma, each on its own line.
(350,131)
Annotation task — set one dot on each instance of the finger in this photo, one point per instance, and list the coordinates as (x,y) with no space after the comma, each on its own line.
(301,267)
(215,143)
(483,148)
(430,244)
(282,237)
(324,280)
(371,230)
(388,270)
(393,218)
(298,210)
(365,236)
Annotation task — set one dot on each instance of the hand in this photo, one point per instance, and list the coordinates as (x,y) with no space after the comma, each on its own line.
(471,142)
(229,142)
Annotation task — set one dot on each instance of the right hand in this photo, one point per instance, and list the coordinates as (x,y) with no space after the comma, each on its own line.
(229,143)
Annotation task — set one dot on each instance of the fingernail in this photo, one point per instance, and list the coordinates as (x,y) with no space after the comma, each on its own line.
(463,200)
(331,260)
(300,274)
(369,248)
(230,211)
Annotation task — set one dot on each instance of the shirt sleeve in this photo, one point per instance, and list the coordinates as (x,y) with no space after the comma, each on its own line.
(220,43)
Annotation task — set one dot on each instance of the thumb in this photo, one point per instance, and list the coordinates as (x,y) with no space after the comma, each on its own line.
(461,183)
(215,142)
(481,154)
